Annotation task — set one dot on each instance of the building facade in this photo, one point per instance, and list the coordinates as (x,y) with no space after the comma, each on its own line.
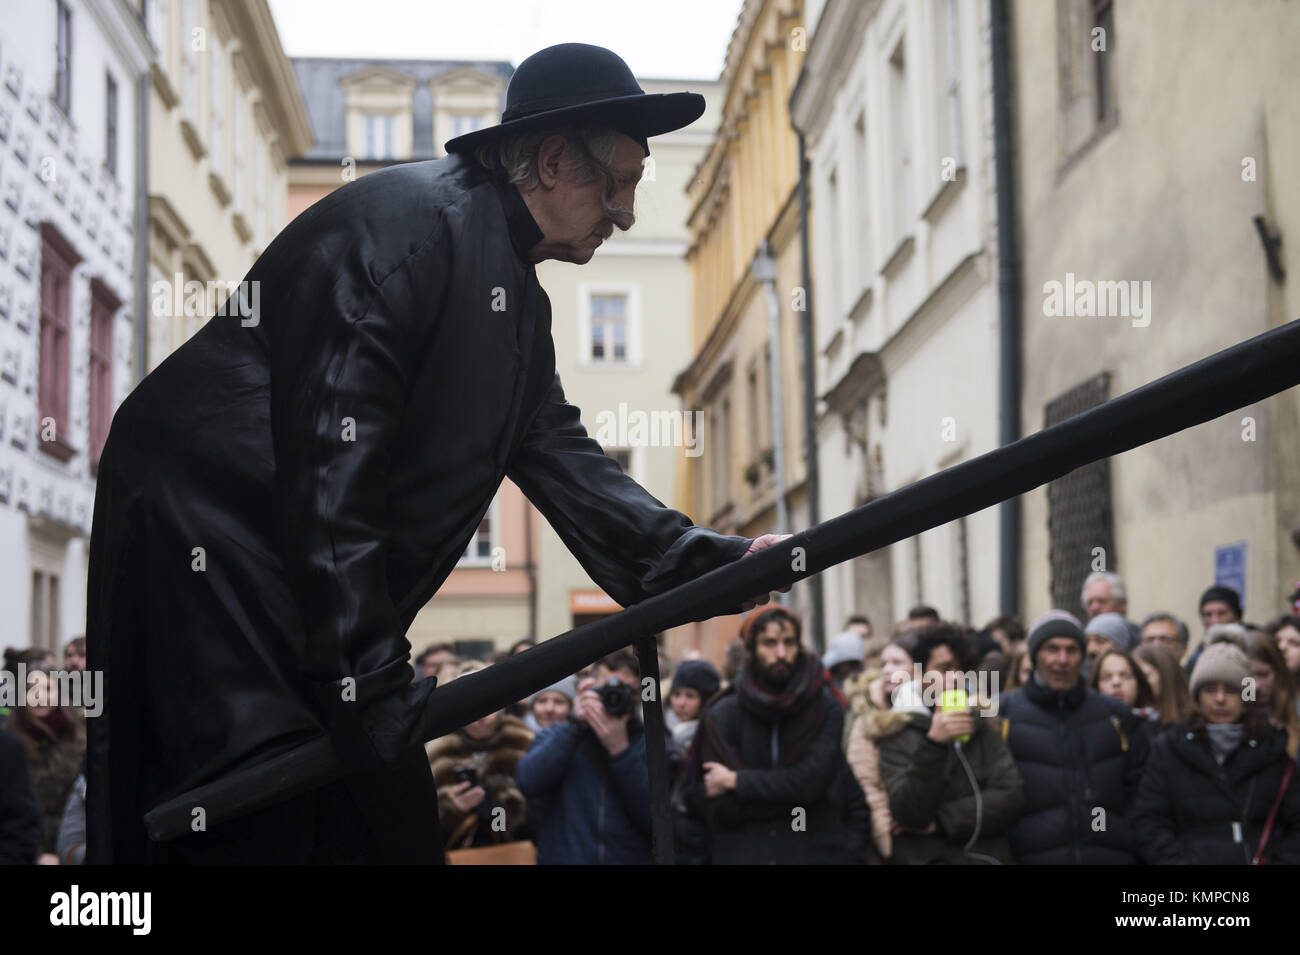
(895,109)
(741,378)
(69,148)
(225,115)
(1161,133)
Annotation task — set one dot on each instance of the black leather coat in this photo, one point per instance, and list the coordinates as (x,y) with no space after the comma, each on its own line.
(280,497)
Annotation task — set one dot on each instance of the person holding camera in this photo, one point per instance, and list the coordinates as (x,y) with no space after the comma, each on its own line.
(479,803)
(587,777)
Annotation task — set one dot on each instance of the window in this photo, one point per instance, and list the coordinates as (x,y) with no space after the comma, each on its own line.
(63,59)
(110,130)
(103,307)
(189,63)
(237,122)
(479,550)
(1103,19)
(58,259)
(259,192)
(609,328)
(1079,511)
(901,145)
(720,455)
(948,68)
(217,113)
(45,609)
(155,17)
(623,456)
(861,175)
(379,136)
(460,125)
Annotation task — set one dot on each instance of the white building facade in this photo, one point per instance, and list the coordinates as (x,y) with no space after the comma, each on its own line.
(896,111)
(70,83)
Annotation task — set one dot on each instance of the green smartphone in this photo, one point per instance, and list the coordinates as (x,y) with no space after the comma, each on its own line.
(955,700)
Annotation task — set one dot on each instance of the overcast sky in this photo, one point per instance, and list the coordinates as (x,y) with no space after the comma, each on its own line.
(659,39)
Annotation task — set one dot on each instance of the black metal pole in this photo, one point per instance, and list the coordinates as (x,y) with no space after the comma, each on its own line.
(1231,379)
(656,753)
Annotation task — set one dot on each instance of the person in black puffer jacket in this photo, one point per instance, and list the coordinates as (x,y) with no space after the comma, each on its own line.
(1212,781)
(1080,756)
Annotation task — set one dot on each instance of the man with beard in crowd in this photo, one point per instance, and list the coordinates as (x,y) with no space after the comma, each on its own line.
(772,781)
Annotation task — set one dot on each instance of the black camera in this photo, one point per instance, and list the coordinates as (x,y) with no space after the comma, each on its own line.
(616,696)
(466,774)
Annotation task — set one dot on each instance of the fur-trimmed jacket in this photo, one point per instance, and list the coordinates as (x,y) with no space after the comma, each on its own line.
(869,718)
(495,758)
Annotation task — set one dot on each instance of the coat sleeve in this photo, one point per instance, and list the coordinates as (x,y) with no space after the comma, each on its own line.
(627,541)
(339,380)
(1002,796)
(913,772)
(1286,828)
(544,765)
(864,759)
(20,814)
(1153,811)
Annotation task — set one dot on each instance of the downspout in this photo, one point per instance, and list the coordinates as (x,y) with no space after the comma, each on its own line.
(142,227)
(1009,311)
(809,392)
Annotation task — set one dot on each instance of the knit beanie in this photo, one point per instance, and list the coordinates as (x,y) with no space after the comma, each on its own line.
(1113,627)
(845,647)
(567,687)
(1220,663)
(1054,623)
(1225,594)
(697,675)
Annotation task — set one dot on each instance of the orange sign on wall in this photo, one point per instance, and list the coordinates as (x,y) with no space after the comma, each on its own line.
(592,601)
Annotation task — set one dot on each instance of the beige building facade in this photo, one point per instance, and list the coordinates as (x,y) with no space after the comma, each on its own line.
(225,115)
(1153,164)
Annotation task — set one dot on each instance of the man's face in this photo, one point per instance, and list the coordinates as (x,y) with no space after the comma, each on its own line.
(73,659)
(1059,661)
(775,651)
(1163,633)
(576,217)
(861,629)
(1216,611)
(1098,598)
(1097,645)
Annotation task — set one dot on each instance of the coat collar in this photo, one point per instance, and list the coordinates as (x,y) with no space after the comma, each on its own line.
(524,230)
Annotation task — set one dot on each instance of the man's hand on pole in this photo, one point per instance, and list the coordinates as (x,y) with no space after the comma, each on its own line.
(767,540)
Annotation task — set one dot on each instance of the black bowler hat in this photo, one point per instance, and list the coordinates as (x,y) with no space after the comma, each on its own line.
(578,82)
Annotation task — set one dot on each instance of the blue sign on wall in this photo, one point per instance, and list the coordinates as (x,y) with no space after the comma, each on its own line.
(1230,568)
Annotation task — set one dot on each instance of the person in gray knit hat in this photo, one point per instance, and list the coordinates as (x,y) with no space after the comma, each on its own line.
(1103,632)
(552,705)
(1221,662)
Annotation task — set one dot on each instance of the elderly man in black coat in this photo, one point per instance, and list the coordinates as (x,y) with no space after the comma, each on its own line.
(279,498)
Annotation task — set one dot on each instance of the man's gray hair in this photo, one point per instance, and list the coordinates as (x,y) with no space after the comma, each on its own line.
(591,151)
(1167,618)
(1116,582)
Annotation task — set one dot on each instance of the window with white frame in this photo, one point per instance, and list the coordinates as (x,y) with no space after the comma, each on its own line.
(379,129)
(462,124)
(237,122)
(900,141)
(863,184)
(189,63)
(609,325)
(947,65)
(479,550)
(217,112)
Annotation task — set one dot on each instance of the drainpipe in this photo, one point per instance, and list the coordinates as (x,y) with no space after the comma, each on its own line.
(142,227)
(1009,312)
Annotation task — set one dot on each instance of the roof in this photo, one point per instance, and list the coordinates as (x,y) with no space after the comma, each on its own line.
(319,79)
